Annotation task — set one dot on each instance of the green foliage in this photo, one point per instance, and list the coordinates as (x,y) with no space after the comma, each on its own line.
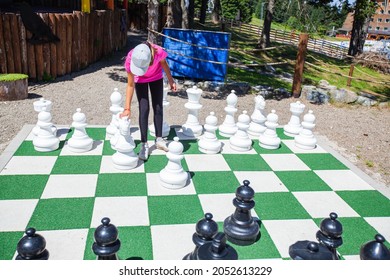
(12,77)
(241,8)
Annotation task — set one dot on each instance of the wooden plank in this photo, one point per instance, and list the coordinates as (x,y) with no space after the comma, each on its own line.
(39,61)
(46,51)
(92,33)
(59,45)
(23,45)
(63,44)
(83,31)
(69,42)
(3,58)
(104,20)
(99,36)
(53,47)
(16,43)
(9,53)
(75,42)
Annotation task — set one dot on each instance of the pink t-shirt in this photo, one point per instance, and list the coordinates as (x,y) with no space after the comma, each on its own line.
(155,71)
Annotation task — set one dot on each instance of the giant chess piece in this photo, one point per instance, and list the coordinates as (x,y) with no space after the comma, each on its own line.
(269,139)
(217,250)
(294,126)
(306,139)
(257,126)
(115,108)
(192,127)
(240,227)
(173,176)
(45,141)
(205,230)
(330,234)
(209,143)
(107,244)
(228,128)
(124,158)
(240,141)
(117,134)
(165,126)
(80,142)
(32,247)
(309,250)
(38,106)
(375,250)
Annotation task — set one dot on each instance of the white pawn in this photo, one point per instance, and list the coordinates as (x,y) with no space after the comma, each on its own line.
(257,127)
(294,125)
(124,158)
(269,139)
(45,141)
(173,175)
(209,143)
(305,139)
(228,128)
(38,105)
(80,142)
(115,108)
(241,141)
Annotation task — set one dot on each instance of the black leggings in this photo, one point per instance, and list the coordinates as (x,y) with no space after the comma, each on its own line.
(156,91)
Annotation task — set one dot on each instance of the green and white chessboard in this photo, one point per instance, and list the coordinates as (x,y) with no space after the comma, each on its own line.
(64,196)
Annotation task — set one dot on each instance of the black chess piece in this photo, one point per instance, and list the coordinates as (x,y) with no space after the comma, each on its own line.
(375,250)
(240,228)
(330,234)
(309,250)
(217,249)
(106,243)
(205,231)
(32,247)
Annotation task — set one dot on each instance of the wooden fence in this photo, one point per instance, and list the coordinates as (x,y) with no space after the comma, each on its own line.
(85,38)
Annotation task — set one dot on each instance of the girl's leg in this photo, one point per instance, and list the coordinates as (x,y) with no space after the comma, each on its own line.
(141,90)
(157,94)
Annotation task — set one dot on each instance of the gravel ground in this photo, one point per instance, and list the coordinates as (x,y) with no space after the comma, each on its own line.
(360,134)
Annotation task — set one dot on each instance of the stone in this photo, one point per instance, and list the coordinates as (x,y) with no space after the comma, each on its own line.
(106,243)
(306,90)
(343,95)
(32,247)
(323,84)
(318,96)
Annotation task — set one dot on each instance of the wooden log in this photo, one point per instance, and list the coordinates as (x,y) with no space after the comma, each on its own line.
(9,53)
(63,44)
(32,71)
(75,42)
(39,61)
(99,36)
(92,33)
(53,47)
(83,30)
(105,17)
(46,52)
(302,49)
(23,45)
(59,45)
(16,43)
(3,58)
(69,42)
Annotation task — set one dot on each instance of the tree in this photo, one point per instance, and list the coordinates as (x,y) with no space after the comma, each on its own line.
(265,41)
(153,13)
(215,15)
(203,10)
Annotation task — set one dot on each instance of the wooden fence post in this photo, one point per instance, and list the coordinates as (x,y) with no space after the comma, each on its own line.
(302,48)
(350,75)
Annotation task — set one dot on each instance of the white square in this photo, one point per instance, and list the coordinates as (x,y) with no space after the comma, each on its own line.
(62,132)
(220,205)
(15,214)
(227,149)
(97,150)
(352,257)
(122,211)
(291,145)
(343,180)
(284,162)
(169,247)
(261,181)
(135,132)
(284,233)
(155,188)
(206,162)
(60,186)
(321,204)
(29,165)
(381,224)
(182,136)
(107,166)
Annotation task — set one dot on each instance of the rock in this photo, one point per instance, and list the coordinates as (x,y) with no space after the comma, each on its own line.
(343,95)
(318,96)
(365,101)
(323,84)
(240,88)
(307,89)
(384,105)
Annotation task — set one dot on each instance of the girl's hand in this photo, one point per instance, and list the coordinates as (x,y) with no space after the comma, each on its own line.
(173,86)
(125,113)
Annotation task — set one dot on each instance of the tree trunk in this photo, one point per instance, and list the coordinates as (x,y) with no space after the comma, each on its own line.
(203,10)
(170,21)
(265,41)
(191,14)
(153,20)
(177,13)
(184,15)
(216,11)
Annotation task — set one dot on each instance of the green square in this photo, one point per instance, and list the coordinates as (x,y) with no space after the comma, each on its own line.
(62,213)
(8,244)
(281,135)
(279,206)
(176,209)
(27,149)
(302,181)
(136,244)
(321,161)
(121,184)
(215,182)
(283,149)
(156,163)
(220,137)
(367,203)
(240,162)
(22,186)
(77,165)
(190,147)
(172,134)
(107,149)
(96,133)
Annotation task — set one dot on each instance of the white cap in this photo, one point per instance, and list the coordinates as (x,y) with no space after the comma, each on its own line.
(140,60)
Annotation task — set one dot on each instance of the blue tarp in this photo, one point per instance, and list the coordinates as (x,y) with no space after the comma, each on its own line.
(197,44)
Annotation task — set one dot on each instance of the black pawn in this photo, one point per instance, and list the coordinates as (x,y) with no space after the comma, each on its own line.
(106,243)
(205,231)
(217,249)
(375,250)
(308,250)
(32,247)
(240,228)
(330,234)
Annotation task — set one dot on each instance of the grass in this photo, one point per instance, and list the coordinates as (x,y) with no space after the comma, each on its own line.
(12,77)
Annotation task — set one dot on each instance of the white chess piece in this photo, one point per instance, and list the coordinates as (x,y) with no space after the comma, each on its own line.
(269,139)
(114,138)
(192,127)
(240,141)
(124,158)
(209,143)
(38,105)
(45,141)
(165,126)
(173,176)
(228,128)
(115,108)
(257,126)
(80,142)
(294,126)
(305,139)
